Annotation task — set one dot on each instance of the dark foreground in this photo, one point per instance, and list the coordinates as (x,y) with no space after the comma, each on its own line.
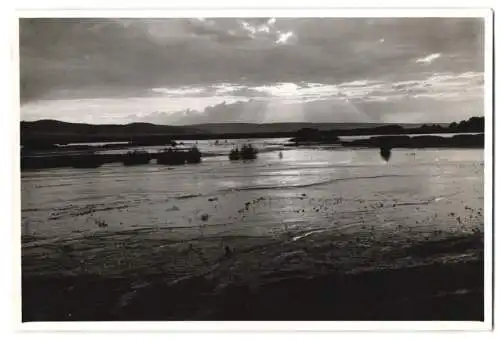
(432,290)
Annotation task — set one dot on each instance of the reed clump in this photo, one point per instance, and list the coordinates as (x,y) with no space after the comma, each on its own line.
(247,151)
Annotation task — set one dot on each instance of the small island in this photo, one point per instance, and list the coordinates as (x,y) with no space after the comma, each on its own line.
(42,149)
(467,134)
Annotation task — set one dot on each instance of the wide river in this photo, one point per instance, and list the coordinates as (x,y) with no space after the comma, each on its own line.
(118,220)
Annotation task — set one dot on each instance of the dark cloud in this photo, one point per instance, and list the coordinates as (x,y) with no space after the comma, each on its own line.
(123,58)
(222,31)
(86,53)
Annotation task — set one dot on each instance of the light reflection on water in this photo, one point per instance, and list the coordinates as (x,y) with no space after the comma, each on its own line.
(307,196)
(62,201)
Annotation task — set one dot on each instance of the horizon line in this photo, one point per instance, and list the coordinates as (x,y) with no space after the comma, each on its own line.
(248,123)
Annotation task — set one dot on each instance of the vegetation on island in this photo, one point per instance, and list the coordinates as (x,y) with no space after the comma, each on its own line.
(172,156)
(247,152)
(136,157)
(316,136)
(427,141)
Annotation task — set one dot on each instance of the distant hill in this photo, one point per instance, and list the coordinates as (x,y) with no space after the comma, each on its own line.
(222,128)
(55,127)
(49,132)
(58,127)
(54,131)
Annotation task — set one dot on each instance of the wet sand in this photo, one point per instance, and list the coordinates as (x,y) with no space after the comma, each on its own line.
(431,289)
(316,235)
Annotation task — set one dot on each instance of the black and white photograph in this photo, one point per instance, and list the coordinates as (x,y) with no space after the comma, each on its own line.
(253,168)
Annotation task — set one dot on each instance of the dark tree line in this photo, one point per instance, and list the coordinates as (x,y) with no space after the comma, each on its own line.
(474,124)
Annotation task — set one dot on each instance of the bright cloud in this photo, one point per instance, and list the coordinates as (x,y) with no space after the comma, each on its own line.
(269,102)
(262,29)
(441,86)
(246,26)
(283,37)
(108,110)
(429,59)
(227,88)
(179,91)
(283,89)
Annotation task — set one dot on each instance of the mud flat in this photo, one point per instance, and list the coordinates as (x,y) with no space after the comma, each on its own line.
(429,289)
(313,234)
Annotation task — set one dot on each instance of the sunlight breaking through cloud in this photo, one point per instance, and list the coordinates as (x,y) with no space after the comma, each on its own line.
(192,63)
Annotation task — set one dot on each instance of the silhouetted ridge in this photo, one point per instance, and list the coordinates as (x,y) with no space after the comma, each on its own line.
(45,133)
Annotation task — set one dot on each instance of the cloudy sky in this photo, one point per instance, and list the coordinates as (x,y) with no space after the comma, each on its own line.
(187,71)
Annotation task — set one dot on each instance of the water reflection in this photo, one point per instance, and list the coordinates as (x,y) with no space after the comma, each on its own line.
(58,201)
(385,153)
